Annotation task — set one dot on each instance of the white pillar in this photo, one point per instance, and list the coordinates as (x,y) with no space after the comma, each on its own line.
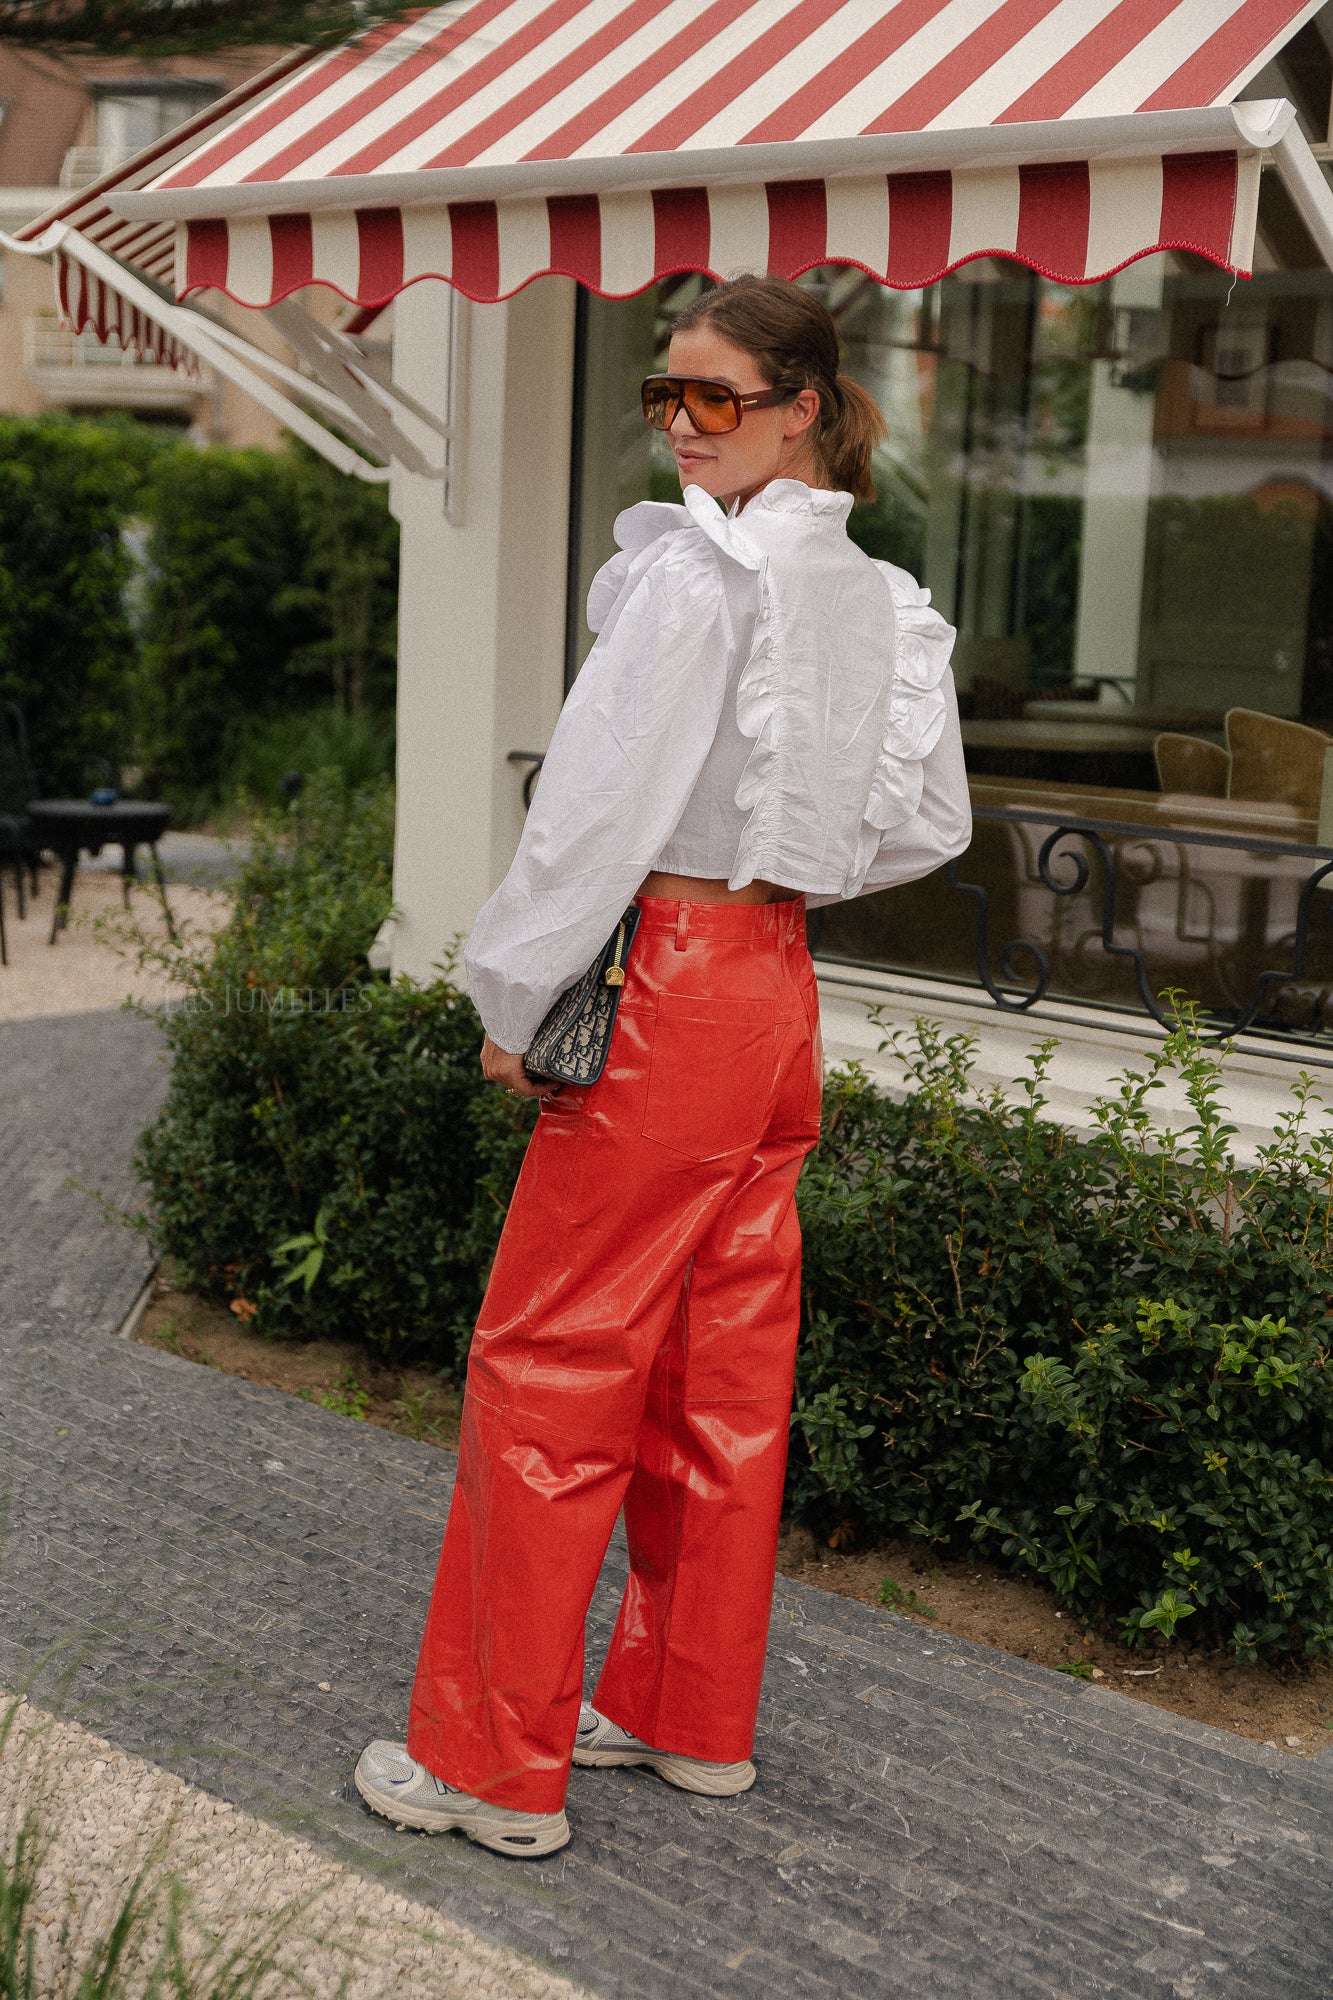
(1117,488)
(481,604)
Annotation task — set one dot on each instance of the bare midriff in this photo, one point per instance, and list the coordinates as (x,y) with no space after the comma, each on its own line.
(712,889)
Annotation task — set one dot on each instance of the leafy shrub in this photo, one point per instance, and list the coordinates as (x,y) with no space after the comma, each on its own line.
(322,1161)
(358,748)
(1108,1359)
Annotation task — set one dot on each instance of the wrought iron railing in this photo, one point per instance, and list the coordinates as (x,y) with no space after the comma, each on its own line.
(1087,856)
(1097,868)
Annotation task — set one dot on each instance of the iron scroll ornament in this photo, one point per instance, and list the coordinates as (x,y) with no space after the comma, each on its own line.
(1099,836)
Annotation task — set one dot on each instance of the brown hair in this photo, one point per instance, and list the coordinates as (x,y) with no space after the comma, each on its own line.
(791,335)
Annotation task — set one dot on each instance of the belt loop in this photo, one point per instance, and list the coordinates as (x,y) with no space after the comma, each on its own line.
(682,925)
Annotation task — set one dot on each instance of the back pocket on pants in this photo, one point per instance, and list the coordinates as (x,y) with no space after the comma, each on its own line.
(712,1075)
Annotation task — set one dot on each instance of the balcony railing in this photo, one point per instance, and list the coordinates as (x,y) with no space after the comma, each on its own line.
(48,345)
(78,369)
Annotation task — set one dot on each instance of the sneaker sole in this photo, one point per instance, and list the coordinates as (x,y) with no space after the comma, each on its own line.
(550,1832)
(683,1772)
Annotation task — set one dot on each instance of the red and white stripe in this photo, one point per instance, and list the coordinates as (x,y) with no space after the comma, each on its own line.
(87,305)
(1074,222)
(495,83)
(491,141)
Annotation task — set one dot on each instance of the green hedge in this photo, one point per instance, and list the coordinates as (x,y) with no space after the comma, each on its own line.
(271,582)
(223,542)
(195,616)
(1106,1362)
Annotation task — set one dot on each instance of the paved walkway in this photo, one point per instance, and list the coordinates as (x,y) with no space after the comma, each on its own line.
(201,858)
(232,1583)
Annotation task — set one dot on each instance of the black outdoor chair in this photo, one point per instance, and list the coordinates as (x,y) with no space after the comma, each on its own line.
(20,846)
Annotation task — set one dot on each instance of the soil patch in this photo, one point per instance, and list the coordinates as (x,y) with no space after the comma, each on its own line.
(343,1375)
(1289,1708)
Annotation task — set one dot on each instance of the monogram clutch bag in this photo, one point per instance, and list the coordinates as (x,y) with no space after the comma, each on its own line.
(574,1041)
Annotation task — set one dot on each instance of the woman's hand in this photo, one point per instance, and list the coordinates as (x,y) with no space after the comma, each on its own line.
(499,1066)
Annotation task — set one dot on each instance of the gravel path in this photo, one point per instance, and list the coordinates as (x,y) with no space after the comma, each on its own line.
(241,1891)
(81,971)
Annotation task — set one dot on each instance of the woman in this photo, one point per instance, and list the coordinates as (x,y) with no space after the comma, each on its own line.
(766,722)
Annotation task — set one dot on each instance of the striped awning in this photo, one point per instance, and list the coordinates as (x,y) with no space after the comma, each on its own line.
(90,305)
(619,141)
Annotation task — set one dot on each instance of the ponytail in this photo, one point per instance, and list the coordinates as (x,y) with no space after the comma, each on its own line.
(847,437)
(791,334)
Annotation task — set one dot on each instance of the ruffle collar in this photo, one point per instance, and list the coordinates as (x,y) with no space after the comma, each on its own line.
(639,526)
(793,496)
(641,530)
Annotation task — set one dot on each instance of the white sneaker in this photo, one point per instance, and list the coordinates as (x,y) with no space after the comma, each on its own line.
(601,1742)
(394,1784)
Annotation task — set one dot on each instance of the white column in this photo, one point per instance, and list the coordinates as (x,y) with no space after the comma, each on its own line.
(1117,488)
(481,604)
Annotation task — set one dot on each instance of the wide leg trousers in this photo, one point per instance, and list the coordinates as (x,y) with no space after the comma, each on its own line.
(635,1349)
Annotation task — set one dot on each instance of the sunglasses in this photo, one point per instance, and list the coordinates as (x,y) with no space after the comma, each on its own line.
(712,407)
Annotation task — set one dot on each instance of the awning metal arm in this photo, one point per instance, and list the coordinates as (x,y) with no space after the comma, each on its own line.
(257,357)
(197,334)
(1307,184)
(332,358)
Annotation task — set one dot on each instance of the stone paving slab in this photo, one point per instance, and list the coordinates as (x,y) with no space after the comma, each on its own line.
(75,1090)
(186,1557)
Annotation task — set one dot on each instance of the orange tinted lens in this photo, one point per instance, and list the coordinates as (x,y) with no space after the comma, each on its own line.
(660,405)
(711,407)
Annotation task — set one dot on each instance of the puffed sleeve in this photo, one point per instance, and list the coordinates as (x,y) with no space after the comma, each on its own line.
(624,758)
(941,825)
(919,813)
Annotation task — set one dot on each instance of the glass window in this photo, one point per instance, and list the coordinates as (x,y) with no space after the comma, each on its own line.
(618,461)
(1122,496)
(130,120)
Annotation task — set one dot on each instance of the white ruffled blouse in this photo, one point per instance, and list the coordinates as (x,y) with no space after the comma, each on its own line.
(764,703)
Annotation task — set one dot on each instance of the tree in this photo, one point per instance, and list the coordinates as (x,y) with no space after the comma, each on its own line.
(66,645)
(224,545)
(190,27)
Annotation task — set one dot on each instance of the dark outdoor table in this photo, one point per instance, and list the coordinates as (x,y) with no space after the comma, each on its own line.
(68,826)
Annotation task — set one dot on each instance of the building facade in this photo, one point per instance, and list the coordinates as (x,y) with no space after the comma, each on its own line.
(64,122)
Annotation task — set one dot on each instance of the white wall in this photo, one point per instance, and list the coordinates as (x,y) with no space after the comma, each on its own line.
(482,602)
(1095,1049)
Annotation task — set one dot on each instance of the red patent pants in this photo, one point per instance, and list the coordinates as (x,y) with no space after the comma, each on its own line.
(635,1348)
